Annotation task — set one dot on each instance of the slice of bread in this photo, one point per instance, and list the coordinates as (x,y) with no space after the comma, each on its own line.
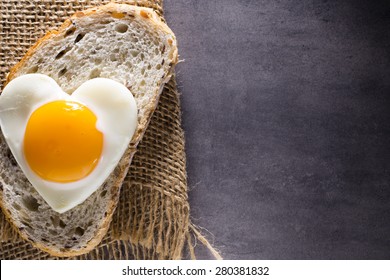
(129,44)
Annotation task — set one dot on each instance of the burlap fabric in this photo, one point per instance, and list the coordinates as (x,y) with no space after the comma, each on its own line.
(152,217)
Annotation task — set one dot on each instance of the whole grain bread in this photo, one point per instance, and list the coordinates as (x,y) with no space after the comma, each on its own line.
(129,44)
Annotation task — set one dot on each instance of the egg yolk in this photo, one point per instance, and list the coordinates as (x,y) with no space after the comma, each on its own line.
(61,141)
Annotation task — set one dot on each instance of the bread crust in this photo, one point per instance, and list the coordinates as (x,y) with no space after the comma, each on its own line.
(124,164)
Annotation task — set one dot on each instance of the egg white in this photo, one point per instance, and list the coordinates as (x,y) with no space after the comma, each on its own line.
(116,112)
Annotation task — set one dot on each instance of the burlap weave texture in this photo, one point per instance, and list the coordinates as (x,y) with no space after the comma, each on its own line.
(152,217)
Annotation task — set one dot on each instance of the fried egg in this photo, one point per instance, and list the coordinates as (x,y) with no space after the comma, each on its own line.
(67,145)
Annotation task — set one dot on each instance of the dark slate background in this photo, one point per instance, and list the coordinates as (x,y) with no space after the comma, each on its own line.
(286,108)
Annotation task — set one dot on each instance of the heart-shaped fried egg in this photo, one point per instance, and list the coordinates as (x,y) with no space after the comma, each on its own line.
(67,145)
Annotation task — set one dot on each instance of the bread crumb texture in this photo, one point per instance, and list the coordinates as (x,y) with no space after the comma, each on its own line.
(35,219)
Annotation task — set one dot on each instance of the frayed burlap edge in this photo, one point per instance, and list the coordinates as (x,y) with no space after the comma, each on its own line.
(153,200)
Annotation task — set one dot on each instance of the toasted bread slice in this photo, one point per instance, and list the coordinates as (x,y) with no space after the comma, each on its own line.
(129,44)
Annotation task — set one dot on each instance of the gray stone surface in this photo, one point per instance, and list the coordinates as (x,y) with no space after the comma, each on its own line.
(286,109)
